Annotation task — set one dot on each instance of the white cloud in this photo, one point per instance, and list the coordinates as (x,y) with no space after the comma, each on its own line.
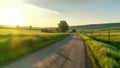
(42,9)
(8,3)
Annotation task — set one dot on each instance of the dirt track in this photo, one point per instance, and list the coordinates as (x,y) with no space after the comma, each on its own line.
(68,53)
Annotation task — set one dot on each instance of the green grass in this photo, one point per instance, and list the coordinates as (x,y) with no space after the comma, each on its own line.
(17,43)
(19,31)
(102,36)
(102,55)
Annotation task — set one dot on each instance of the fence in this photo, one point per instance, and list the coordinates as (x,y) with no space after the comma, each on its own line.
(105,34)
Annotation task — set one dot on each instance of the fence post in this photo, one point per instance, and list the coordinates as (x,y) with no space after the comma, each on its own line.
(79,31)
(108,35)
(92,32)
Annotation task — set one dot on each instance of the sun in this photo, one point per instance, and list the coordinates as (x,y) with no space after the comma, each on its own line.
(11,17)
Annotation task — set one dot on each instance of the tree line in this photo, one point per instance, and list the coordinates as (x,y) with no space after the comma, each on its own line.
(62,27)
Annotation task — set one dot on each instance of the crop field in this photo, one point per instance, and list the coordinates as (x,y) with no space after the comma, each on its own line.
(102,55)
(17,43)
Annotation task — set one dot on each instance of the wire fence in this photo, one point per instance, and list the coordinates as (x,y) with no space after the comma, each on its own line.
(108,35)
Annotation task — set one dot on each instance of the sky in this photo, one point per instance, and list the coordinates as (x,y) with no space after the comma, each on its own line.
(48,13)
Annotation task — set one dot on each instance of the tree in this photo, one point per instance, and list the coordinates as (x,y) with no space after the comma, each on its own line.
(44,30)
(30,27)
(17,26)
(63,26)
(73,30)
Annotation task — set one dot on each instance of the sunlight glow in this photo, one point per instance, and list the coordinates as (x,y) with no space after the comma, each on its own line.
(11,16)
(18,12)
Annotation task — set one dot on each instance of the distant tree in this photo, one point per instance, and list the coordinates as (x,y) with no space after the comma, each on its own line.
(57,29)
(17,26)
(30,27)
(73,30)
(63,26)
(44,30)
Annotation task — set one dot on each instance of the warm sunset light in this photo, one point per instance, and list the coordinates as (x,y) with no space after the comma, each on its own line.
(59,33)
(10,16)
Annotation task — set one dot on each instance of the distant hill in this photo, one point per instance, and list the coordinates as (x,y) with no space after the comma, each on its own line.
(98,26)
(25,27)
(14,27)
(6,26)
(91,26)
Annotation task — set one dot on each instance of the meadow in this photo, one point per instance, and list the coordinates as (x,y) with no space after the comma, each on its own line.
(16,43)
(102,55)
(102,36)
(102,52)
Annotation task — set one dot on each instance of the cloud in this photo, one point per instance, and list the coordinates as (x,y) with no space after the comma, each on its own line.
(15,3)
(44,9)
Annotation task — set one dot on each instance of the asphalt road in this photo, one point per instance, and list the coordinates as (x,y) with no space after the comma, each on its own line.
(68,53)
(73,55)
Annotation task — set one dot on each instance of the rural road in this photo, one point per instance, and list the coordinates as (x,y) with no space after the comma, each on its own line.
(68,53)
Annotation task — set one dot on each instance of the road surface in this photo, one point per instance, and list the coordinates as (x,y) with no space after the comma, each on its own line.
(68,53)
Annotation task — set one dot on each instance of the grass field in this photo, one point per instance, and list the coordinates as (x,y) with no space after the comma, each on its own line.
(102,36)
(102,55)
(17,43)
(19,31)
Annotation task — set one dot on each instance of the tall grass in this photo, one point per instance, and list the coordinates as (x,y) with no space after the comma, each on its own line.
(14,46)
(101,54)
(114,35)
(102,36)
